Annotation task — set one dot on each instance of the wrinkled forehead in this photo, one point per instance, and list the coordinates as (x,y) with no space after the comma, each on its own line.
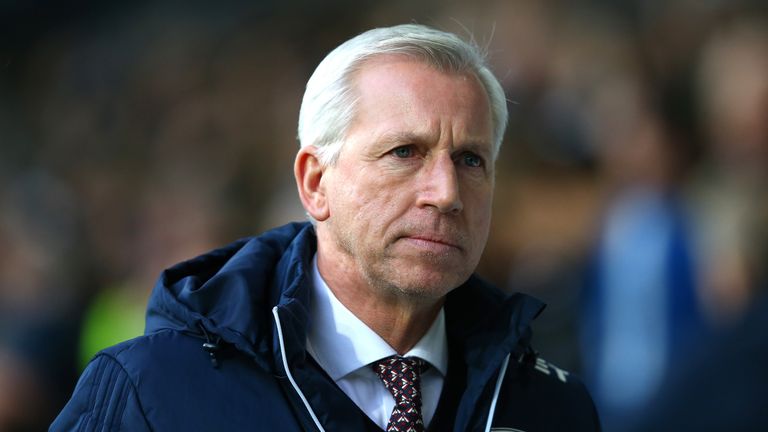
(399,77)
(402,101)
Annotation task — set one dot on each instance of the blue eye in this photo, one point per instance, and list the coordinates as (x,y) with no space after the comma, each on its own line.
(403,152)
(472,160)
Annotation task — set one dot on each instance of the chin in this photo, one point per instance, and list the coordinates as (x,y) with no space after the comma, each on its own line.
(432,285)
(419,277)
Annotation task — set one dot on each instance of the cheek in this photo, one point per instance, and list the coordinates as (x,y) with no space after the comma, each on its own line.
(477,206)
(478,200)
(377,207)
(362,201)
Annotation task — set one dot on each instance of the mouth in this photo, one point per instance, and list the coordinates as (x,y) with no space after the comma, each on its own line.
(432,242)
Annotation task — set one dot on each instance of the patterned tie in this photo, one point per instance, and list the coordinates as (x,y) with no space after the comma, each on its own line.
(401,376)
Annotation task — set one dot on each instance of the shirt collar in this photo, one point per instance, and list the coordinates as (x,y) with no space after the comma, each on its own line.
(341,343)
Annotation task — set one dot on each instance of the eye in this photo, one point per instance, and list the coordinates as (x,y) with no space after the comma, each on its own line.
(472,160)
(403,152)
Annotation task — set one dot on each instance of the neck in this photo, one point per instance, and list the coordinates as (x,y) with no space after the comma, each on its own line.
(399,319)
(400,325)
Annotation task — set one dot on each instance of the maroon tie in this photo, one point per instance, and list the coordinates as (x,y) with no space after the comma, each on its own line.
(402,377)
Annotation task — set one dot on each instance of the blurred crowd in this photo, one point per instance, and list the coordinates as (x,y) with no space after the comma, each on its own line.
(630,189)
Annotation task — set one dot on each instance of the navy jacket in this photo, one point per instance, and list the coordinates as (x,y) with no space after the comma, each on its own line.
(224,350)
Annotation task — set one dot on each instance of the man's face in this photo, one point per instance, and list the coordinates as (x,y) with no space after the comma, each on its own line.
(409,197)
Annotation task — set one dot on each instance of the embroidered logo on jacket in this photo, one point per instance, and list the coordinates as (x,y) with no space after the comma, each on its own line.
(548,368)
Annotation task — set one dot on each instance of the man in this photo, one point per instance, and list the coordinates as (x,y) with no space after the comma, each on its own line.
(369,318)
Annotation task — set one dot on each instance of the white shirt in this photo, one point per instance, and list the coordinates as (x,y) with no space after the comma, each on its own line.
(344,347)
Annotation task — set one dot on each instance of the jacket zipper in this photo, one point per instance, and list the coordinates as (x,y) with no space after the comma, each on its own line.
(288,371)
(496,391)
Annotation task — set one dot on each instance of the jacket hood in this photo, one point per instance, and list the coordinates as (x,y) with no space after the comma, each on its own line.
(229,292)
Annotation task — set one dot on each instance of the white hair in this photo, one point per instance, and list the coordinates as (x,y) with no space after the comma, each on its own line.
(329,102)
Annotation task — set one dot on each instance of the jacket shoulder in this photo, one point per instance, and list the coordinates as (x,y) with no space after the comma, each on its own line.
(172,384)
(105,399)
(108,395)
(538,395)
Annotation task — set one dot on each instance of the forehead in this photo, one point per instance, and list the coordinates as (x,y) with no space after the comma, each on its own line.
(399,92)
(404,72)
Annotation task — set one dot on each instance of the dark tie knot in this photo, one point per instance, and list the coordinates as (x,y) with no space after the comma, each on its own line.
(402,377)
(401,363)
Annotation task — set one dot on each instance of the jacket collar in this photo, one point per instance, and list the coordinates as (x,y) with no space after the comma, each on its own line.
(230,292)
(488,325)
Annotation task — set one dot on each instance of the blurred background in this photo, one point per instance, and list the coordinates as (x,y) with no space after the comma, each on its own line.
(630,188)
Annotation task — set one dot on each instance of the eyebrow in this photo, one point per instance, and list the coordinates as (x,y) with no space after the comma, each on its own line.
(400,138)
(404,137)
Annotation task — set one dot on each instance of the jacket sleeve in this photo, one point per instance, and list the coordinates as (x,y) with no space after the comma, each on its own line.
(104,399)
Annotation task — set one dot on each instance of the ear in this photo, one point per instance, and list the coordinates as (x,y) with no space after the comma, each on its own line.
(309,174)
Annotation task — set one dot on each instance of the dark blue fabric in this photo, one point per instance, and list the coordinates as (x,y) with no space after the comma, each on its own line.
(166,380)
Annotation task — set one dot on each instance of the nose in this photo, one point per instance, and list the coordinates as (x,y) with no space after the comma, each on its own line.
(440,186)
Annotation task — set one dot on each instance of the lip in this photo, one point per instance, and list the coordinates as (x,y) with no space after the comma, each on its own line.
(431,242)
